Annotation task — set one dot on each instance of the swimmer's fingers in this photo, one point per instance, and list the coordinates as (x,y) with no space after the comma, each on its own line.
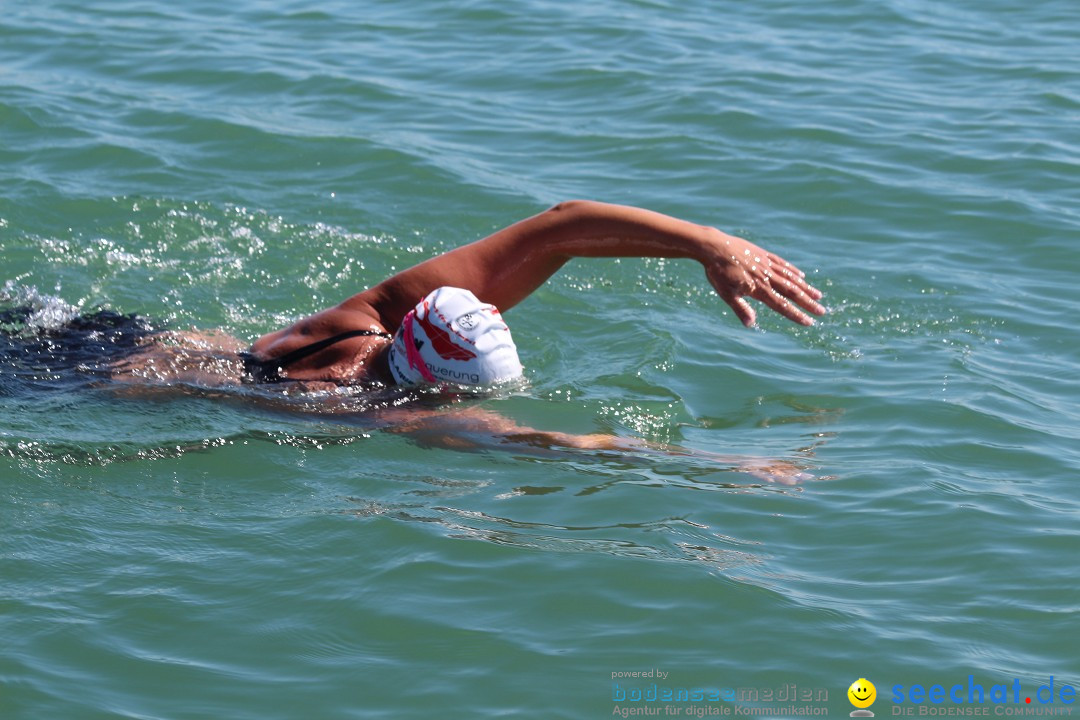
(780,267)
(783,287)
(742,309)
(738,269)
(805,296)
(768,295)
(781,294)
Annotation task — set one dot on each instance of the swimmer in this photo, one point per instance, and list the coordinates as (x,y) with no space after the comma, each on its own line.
(440,321)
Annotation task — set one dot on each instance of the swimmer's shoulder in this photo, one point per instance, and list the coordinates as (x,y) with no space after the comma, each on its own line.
(324,324)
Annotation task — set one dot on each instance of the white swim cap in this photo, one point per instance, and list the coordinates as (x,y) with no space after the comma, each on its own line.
(450,336)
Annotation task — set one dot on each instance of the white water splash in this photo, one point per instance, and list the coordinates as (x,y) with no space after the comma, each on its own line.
(47,312)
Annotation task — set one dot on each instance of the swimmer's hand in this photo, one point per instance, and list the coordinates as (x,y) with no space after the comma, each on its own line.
(739,269)
(777,472)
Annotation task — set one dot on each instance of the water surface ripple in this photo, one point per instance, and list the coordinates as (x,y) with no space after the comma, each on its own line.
(196,553)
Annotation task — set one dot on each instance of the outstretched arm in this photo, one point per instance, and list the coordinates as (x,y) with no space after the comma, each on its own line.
(475,428)
(505,267)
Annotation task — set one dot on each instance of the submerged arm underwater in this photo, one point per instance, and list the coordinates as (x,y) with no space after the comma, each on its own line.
(479,429)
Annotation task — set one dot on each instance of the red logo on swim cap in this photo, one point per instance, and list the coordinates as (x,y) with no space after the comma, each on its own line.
(440,340)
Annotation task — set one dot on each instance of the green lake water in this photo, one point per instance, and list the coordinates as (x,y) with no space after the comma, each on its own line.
(198,554)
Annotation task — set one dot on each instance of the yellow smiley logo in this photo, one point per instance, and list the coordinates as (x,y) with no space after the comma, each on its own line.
(862,693)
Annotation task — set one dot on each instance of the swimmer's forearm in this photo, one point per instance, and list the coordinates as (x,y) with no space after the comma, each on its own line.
(476,427)
(585,228)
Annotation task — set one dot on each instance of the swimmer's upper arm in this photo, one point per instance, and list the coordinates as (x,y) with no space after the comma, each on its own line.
(502,269)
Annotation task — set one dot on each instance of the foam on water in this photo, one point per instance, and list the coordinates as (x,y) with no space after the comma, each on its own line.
(42,311)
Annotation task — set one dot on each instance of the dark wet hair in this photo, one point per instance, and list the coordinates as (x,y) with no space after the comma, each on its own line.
(36,357)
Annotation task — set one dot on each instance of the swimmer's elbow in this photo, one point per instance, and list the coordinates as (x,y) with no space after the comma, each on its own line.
(571,216)
(571,206)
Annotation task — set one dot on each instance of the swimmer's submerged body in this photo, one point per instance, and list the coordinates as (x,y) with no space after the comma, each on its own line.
(440,322)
